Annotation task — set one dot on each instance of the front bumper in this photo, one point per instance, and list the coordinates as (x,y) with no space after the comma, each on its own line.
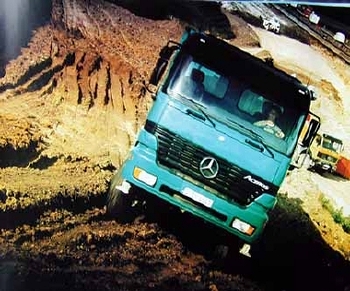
(324,166)
(193,197)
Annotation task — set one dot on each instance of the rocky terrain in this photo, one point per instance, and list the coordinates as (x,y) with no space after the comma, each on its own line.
(71,104)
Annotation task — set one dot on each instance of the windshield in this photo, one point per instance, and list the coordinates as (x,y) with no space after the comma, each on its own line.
(226,98)
(331,144)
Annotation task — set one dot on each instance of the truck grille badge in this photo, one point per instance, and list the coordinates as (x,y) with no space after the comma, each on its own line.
(209,167)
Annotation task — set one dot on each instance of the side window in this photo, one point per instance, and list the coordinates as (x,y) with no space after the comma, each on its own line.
(327,144)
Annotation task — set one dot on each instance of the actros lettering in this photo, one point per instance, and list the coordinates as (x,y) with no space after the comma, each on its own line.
(256,182)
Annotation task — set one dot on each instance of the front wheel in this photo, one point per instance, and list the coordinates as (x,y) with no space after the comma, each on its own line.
(119,203)
(116,203)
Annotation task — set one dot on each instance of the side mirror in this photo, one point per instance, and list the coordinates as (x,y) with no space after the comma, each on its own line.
(314,126)
(162,63)
(313,94)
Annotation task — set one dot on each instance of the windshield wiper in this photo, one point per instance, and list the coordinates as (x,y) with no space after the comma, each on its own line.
(200,107)
(254,135)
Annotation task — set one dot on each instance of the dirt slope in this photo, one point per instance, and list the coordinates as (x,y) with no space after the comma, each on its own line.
(70,108)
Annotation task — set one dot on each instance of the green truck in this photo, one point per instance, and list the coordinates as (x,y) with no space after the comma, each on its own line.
(201,149)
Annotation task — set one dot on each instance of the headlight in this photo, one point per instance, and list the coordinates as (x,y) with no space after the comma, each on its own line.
(144,176)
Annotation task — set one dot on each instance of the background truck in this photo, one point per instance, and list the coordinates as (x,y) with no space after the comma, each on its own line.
(325,152)
(271,24)
(200,150)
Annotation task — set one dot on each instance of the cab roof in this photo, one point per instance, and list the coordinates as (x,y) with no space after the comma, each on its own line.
(260,74)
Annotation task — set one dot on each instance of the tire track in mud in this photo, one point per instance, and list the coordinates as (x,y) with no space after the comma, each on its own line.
(87,250)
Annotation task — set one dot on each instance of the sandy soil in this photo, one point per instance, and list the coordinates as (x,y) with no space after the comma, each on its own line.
(70,108)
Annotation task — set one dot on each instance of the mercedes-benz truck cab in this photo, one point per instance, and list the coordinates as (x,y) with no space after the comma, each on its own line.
(219,138)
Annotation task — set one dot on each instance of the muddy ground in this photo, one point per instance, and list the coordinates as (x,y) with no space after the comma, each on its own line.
(70,107)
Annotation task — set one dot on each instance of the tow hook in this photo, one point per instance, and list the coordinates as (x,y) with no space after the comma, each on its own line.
(245,250)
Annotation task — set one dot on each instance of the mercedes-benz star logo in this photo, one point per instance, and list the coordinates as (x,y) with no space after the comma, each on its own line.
(209,167)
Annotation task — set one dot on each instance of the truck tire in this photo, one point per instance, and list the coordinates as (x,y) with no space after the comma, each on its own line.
(119,205)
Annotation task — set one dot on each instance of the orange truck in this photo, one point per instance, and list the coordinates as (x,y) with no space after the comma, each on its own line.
(343,167)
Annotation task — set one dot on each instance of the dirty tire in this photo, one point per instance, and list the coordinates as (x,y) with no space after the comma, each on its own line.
(118,205)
